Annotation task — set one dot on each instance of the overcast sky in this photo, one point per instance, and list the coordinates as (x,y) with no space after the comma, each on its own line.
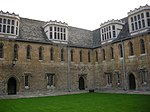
(86,14)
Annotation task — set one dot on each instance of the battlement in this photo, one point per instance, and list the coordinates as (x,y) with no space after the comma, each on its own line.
(51,22)
(7,14)
(141,8)
(112,22)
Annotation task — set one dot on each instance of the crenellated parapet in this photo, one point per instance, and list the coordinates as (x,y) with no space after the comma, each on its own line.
(56,31)
(139,20)
(110,30)
(112,22)
(141,8)
(51,22)
(9,24)
(8,14)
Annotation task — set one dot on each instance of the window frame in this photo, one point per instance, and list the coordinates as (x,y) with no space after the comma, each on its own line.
(28,52)
(131,49)
(142,46)
(16,49)
(51,54)
(1,50)
(40,53)
(50,80)
(80,54)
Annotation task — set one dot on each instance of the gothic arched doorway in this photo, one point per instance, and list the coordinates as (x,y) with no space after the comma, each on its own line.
(11,86)
(132,83)
(81,83)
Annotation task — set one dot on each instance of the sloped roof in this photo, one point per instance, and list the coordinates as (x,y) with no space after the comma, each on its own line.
(80,37)
(32,30)
(124,33)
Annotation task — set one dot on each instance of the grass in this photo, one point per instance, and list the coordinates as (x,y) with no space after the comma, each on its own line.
(87,102)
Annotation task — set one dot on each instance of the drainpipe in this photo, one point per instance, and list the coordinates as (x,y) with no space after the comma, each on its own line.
(69,79)
(124,67)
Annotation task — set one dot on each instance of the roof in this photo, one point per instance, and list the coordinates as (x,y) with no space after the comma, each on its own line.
(32,30)
(124,33)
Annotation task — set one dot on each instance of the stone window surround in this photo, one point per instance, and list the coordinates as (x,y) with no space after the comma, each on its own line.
(140,23)
(50,80)
(27,76)
(108,32)
(9,23)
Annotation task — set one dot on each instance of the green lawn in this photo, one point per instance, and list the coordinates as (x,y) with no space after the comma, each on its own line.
(87,102)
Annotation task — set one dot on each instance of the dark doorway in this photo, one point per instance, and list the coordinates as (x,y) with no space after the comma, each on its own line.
(81,83)
(132,84)
(11,86)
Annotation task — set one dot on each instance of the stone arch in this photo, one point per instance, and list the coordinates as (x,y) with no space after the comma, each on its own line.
(12,85)
(131,81)
(81,83)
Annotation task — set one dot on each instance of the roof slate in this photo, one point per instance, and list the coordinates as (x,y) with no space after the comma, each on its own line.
(80,37)
(32,30)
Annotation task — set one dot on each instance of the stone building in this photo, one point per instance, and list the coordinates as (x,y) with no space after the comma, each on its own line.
(39,56)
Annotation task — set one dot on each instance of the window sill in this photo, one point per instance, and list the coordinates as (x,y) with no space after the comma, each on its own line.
(143,54)
(50,87)
(40,60)
(104,61)
(121,58)
(112,59)
(52,61)
(144,83)
(1,59)
(133,56)
(28,60)
(26,87)
(96,62)
(109,85)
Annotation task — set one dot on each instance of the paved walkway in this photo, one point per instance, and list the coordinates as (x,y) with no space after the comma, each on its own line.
(66,93)
(30,95)
(125,92)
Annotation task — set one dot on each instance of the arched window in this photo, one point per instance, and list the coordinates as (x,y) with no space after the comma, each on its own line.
(103,51)
(28,52)
(16,51)
(89,57)
(40,53)
(112,53)
(80,55)
(62,54)
(1,50)
(142,46)
(96,56)
(51,54)
(131,52)
(121,51)
(72,55)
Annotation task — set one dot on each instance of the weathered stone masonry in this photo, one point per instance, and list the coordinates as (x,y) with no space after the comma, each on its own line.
(71,58)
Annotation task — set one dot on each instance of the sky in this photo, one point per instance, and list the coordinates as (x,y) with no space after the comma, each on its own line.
(86,14)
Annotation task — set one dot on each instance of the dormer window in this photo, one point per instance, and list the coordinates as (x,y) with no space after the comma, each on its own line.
(9,24)
(56,31)
(139,20)
(110,30)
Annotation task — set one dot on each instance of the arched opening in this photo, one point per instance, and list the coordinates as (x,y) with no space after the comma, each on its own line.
(132,83)
(81,83)
(11,86)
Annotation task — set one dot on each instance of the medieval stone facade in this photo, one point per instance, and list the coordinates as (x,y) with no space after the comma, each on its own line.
(38,56)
